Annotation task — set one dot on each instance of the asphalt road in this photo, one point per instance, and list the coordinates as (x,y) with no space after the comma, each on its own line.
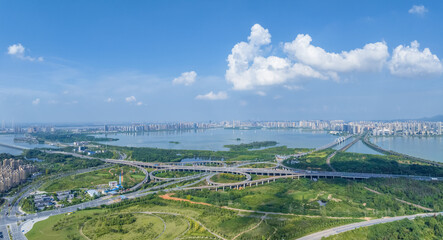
(352,226)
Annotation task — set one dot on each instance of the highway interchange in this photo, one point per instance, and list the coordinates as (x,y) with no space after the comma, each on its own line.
(11,216)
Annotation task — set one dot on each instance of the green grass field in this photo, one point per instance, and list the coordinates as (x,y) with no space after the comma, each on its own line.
(131,176)
(228,178)
(145,218)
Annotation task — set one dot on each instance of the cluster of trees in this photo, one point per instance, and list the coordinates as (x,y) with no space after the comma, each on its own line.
(107,154)
(174,174)
(69,137)
(28,205)
(252,145)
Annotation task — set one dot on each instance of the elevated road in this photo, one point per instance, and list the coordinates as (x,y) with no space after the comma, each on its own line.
(259,171)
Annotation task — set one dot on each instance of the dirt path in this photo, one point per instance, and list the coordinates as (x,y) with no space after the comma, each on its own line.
(328,160)
(81,233)
(403,201)
(254,227)
(168,197)
(193,219)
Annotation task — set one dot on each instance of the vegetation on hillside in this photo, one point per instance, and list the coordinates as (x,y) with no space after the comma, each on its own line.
(129,220)
(341,198)
(419,228)
(60,162)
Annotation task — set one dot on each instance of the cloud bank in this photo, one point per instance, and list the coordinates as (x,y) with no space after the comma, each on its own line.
(250,67)
(369,58)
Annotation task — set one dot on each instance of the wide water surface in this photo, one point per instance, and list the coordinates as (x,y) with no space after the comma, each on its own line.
(430,148)
(215,139)
(9,139)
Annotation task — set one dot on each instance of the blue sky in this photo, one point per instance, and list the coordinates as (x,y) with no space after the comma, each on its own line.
(112,61)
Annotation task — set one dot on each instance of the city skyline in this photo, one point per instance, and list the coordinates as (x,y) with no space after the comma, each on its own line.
(152,62)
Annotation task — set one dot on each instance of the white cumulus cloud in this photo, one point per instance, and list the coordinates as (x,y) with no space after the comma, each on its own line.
(369,58)
(186,78)
(418,10)
(131,99)
(36,101)
(213,96)
(248,67)
(139,103)
(109,100)
(17,50)
(409,61)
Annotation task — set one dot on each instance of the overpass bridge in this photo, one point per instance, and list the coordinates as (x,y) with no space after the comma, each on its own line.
(14,146)
(329,145)
(269,171)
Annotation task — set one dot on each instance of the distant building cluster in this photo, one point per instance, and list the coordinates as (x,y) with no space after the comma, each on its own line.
(407,128)
(156,127)
(376,128)
(13,172)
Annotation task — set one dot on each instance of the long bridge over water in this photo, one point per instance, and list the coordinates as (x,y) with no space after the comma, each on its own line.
(14,146)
